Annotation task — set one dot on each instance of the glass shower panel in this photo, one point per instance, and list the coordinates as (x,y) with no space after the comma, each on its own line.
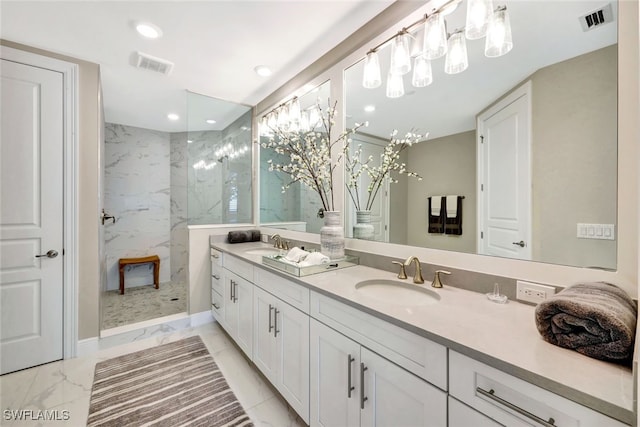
(219,161)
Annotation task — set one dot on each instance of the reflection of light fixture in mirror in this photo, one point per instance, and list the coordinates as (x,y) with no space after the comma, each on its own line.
(456,60)
(435,37)
(422,74)
(304,121)
(400,58)
(478,15)
(371,78)
(395,85)
(314,118)
(294,115)
(498,40)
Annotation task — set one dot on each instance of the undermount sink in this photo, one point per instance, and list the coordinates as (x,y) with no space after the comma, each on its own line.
(262,251)
(397,293)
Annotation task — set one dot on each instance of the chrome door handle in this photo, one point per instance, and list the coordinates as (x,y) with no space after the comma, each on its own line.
(217,307)
(271,308)
(363,398)
(275,322)
(491,395)
(215,276)
(350,388)
(235,290)
(520,243)
(50,254)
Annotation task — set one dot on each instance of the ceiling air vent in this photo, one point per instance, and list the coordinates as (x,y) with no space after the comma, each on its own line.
(151,63)
(597,18)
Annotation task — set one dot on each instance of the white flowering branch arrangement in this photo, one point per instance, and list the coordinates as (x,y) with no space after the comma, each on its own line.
(389,163)
(309,155)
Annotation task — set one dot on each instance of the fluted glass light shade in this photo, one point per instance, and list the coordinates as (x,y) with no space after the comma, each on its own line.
(304,122)
(498,40)
(283,118)
(371,78)
(314,118)
(435,37)
(395,85)
(294,111)
(478,14)
(422,74)
(400,54)
(272,121)
(456,60)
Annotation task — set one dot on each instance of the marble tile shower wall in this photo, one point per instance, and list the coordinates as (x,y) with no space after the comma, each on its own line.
(137,192)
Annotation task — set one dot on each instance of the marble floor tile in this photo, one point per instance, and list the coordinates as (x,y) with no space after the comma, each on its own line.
(66,385)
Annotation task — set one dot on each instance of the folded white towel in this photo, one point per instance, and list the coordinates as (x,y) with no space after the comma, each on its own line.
(436,205)
(296,254)
(452,206)
(315,258)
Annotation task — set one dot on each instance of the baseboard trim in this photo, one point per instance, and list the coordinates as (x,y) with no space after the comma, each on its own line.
(202,318)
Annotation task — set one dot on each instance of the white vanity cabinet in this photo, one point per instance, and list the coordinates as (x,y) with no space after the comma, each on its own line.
(217,286)
(238,310)
(281,348)
(353,386)
(460,415)
(513,402)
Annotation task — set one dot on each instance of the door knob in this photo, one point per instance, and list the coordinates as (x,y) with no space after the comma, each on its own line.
(520,243)
(50,254)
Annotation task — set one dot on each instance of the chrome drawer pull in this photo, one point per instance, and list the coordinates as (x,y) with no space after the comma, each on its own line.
(216,306)
(215,276)
(491,395)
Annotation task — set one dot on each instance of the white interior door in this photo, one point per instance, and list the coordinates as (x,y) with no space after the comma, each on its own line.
(504,153)
(31,216)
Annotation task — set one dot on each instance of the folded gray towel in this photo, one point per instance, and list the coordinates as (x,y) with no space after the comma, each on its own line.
(242,236)
(595,319)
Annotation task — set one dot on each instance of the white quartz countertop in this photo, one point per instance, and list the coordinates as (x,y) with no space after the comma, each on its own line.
(501,335)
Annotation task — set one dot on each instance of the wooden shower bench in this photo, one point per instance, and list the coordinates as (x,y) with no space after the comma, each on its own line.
(123,262)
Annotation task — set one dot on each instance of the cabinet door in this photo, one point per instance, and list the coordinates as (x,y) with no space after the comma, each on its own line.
(291,328)
(394,397)
(335,360)
(264,340)
(460,415)
(230,314)
(244,302)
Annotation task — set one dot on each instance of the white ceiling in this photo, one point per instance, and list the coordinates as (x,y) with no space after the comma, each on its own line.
(214,45)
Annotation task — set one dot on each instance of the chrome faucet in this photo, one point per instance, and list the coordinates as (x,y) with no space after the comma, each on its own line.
(417,276)
(437,283)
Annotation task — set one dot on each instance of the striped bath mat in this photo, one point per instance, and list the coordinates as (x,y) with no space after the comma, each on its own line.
(176,384)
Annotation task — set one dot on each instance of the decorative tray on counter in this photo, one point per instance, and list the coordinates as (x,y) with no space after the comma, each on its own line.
(279,262)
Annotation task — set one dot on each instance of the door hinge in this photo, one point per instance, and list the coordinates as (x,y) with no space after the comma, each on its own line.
(481,139)
(482,234)
(481,187)
(385,227)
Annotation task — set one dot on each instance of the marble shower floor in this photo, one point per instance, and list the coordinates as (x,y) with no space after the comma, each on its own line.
(66,385)
(143,303)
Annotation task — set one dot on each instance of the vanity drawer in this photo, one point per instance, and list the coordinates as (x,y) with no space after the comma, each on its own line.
(216,257)
(238,266)
(288,291)
(217,282)
(515,402)
(416,354)
(217,306)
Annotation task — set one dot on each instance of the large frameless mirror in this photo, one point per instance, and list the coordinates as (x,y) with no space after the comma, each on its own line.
(563,77)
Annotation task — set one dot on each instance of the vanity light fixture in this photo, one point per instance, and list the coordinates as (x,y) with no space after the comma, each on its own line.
(456,60)
(481,20)
(173,117)
(289,117)
(148,30)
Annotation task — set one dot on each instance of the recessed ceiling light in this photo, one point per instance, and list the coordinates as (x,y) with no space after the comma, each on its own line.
(173,116)
(148,30)
(262,71)
(369,108)
(189,141)
(211,121)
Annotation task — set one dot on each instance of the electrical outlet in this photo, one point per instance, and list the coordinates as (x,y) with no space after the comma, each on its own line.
(533,292)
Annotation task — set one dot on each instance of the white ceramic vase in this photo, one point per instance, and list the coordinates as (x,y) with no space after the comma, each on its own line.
(332,236)
(363,229)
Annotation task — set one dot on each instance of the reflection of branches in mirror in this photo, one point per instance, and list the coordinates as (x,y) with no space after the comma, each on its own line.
(389,157)
(309,155)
